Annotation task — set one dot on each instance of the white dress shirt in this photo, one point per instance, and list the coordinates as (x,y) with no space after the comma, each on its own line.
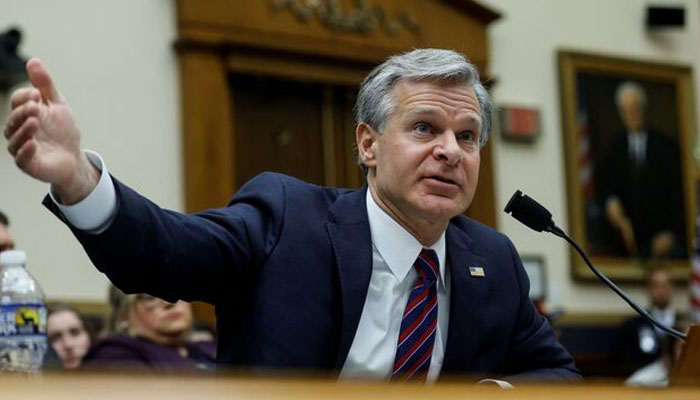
(394,251)
(637,146)
(650,375)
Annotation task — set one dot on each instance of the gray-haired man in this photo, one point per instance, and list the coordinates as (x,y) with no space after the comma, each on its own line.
(388,281)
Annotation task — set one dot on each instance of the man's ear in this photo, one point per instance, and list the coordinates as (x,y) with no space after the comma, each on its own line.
(366,138)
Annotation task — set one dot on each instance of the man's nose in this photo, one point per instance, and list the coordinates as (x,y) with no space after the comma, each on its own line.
(448,148)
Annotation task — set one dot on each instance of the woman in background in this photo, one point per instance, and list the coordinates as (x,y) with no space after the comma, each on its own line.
(150,334)
(68,335)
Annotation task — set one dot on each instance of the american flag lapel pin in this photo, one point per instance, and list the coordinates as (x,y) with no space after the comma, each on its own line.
(476,272)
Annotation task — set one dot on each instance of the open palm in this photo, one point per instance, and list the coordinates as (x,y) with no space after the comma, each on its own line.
(43,137)
(56,145)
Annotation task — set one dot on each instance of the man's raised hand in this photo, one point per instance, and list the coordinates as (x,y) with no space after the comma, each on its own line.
(44,140)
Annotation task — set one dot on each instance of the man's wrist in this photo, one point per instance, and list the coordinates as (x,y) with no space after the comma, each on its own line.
(86,178)
(96,211)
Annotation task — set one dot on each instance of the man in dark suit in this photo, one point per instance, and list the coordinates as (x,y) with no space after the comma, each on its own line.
(388,281)
(641,185)
(640,343)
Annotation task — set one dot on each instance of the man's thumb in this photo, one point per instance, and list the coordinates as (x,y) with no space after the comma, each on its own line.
(40,79)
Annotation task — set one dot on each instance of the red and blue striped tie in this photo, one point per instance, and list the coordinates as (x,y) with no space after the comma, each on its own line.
(418,325)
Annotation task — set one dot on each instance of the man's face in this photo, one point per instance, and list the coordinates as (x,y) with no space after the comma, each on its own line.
(660,289)
(631,111)
(424,168)
(6,242)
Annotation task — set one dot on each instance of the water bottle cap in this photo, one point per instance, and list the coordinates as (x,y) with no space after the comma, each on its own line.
(15,257)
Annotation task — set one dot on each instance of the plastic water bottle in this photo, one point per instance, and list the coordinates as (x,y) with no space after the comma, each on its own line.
(22,316)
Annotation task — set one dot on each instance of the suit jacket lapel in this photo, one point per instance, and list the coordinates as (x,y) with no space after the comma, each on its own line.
(348,229)
(467,300)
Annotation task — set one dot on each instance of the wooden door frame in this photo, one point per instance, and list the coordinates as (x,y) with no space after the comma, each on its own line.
(216,39)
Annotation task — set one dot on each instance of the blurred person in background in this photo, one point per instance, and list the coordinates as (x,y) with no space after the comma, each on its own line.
(6,242)
(68,335)
(658,373)
(640,342)
(150,334)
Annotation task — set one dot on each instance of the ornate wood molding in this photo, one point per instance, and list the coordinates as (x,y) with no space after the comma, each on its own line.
(365,31)
(365,18)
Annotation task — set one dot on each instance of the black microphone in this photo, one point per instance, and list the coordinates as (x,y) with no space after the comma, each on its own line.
(529,212)
(535,216)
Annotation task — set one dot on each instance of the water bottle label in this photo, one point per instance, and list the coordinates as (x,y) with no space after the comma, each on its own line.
(22,319)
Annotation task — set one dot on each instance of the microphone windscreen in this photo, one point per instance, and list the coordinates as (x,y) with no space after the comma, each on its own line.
(529,212)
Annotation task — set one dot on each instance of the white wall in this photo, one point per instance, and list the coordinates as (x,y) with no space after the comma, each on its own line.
(114,63)
(523,47)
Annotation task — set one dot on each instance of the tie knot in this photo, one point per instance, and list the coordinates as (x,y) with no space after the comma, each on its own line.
(427,265)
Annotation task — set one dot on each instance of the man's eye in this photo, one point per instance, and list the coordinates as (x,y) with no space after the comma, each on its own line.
(422,127)
(466,136)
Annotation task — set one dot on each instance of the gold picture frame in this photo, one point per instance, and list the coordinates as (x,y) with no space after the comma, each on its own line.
(626,226)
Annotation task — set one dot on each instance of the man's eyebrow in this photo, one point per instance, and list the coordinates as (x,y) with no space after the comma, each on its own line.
(475,119)
(428,111)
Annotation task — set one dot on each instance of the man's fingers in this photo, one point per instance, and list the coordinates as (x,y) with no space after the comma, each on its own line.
(23,95)
(25,154)
(41,80)
(19,115)
(24,133)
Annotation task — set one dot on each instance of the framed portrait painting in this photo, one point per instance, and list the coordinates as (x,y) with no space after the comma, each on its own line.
(628,130)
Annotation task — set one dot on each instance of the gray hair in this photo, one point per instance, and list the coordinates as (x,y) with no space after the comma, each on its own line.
(375,102)
(630,86)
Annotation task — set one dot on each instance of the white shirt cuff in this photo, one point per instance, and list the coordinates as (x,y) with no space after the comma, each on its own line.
(95,212)
(501,383)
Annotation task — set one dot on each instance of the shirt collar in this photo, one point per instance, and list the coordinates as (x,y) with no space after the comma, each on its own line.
(396,245)
(638,138)
(665,312)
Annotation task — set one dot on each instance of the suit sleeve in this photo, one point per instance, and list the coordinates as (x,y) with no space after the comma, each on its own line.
(534,352)
(171,255)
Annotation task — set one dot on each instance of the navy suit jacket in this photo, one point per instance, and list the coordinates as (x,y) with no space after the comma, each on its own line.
(287,265)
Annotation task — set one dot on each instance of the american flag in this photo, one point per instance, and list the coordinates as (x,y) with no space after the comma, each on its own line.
(586,172)
(585,163)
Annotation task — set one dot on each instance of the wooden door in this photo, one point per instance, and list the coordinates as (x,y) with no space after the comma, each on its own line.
(279,125)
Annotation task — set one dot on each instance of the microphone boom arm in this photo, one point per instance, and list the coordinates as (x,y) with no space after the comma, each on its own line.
(538,218)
